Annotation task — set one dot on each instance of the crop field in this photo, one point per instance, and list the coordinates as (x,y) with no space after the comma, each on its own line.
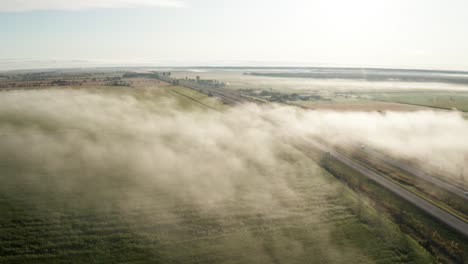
(54,226)
(50,225)
(87,198)
(339,104)
(444,100)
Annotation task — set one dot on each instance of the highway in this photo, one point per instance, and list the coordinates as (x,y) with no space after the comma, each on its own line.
(227,96)
(418,173)
(443,216)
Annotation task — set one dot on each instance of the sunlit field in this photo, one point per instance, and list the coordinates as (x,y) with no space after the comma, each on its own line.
(151,176)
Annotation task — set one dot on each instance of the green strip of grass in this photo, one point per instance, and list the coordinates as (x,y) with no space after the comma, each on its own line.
(446,245)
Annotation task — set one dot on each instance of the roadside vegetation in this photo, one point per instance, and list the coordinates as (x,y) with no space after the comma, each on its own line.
(446,245)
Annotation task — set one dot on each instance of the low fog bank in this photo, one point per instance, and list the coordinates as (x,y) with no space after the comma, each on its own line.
(436,141)
(76,138)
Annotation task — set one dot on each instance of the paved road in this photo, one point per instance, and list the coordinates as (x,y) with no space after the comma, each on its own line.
(418,173)
(445,217)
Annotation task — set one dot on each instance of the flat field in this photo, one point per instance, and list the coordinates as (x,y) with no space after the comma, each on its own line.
(100,193)
(444,100)
(339,104)
(343,94)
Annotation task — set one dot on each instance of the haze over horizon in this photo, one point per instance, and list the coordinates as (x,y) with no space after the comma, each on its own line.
(389,34)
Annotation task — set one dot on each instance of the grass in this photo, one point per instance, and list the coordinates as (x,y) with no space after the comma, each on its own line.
(321,226)
(446,245)
(440,197)
(43,220)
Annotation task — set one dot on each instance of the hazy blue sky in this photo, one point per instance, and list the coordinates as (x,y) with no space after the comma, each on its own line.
(384,33)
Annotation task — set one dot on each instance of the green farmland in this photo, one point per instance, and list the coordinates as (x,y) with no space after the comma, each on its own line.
(321,225)
(90,204)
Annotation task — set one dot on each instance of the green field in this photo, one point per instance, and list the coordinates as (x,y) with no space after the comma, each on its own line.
(447,245)
(83,207)
(50,225)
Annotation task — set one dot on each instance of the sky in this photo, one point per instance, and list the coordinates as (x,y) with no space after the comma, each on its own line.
(429,34)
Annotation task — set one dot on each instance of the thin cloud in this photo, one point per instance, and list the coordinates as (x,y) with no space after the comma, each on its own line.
(33,5)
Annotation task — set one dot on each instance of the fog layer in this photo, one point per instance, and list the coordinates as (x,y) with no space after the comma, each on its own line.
(204,156)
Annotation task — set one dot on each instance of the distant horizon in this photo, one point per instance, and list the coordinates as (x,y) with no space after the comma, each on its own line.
(7,65)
